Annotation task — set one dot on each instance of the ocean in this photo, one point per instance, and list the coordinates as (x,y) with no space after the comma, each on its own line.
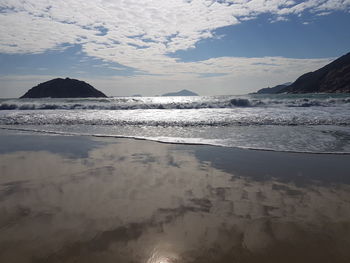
(316,123)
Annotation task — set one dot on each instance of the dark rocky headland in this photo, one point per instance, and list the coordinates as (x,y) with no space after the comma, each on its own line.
(332,78)
(63,88)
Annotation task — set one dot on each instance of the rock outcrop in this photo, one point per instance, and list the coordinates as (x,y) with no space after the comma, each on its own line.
(273,90)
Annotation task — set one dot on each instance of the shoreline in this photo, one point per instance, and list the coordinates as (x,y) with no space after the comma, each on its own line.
(89,199)
(43,132)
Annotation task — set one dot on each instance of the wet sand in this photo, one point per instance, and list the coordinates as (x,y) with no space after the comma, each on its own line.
(85,199)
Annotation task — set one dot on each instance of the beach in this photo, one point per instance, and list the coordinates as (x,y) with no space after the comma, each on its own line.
(96,199)
(174,131)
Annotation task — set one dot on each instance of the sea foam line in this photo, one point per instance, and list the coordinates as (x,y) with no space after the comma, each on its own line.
(168,140)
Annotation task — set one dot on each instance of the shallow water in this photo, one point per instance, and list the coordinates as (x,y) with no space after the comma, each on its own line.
(138,201)
(302,123)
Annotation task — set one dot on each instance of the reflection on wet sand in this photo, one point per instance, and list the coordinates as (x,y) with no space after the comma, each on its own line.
(139,201)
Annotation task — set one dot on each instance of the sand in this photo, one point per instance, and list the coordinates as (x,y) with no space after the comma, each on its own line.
(86,199)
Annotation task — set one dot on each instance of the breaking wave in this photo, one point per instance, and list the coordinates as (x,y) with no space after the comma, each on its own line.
(177,118)
(298,122)
(169,103)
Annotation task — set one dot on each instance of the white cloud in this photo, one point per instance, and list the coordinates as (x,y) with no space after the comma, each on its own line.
(140,34)
(161,27)
(23,33)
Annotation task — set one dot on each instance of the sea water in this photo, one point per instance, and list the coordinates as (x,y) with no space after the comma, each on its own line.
(318,123)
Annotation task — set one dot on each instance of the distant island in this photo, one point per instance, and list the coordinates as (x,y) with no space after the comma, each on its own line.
(183,92)
(63,88)
(332,78)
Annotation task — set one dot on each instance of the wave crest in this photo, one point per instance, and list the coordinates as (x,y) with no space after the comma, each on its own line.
(161,103)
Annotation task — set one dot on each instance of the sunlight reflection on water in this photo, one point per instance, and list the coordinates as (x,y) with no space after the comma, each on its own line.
(161,254)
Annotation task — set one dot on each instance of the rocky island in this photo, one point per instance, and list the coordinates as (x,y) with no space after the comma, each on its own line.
(63,88)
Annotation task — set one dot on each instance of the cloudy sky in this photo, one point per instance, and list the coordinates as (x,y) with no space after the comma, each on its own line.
(150,47)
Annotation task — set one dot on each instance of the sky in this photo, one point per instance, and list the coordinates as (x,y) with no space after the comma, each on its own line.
(151,47)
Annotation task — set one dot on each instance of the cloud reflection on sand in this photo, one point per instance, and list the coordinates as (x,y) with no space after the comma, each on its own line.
(139,201)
